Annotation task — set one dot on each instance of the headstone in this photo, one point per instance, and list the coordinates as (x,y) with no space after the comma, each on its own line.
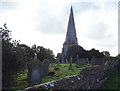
(34,72)
(62,61)
(66,61)
(77,62)
(57,61)
(70,64)
(45,67)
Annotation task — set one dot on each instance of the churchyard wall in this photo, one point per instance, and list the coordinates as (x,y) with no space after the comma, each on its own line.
(91,77)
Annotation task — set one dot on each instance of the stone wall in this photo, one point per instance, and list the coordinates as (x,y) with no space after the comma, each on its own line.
(90,77)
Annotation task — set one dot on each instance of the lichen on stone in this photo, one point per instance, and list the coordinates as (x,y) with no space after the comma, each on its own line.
(49,83)
(78,78)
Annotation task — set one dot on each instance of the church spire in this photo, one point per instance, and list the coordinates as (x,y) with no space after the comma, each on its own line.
(71,38)
(71,31)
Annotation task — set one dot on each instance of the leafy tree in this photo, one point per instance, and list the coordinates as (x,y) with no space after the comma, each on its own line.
(95,53)
(13,57)
(106,53)
(44,53)
(118,57)
(9,63)
(76,50)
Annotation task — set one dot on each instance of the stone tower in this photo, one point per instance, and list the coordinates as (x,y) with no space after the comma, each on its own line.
(71,38)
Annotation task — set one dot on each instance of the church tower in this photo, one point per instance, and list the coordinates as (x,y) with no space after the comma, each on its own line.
(71,38)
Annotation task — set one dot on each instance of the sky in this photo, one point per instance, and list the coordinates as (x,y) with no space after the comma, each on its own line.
(44,22)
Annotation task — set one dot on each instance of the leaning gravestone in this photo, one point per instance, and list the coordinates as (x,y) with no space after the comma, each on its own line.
(45,67)
(34,72)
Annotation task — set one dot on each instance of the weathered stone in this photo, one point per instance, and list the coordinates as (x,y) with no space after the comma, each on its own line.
(70,64)
(34,72)
(45,67)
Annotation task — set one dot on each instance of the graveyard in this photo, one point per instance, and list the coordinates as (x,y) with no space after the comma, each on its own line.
(35,67)
(58,73)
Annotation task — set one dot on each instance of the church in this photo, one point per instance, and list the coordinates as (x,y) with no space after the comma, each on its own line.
(71,40)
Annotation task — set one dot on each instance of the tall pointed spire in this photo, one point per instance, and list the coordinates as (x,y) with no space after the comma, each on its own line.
(71,38)
(71,31)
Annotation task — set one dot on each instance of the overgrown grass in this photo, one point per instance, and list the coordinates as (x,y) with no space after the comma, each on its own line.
(113,81)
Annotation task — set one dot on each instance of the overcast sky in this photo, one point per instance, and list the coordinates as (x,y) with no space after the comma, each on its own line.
(44,22)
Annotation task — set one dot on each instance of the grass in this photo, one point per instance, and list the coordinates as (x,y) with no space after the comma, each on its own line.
(22,76)
(22,83)
(63,72)
(113,81)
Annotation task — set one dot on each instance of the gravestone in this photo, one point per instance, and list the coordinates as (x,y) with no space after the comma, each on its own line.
(34,72)
(45,67)
(57,61)
(62,61)
(70,64)
(66,61)
(77,62)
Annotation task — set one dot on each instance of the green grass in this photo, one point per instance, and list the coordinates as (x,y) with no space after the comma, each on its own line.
(64,71)
(21,81)
(22,76)
(22,86)
(113,81)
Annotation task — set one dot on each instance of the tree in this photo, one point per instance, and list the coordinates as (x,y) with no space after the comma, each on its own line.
(95,53)
(118,57)
(13,59)
(44,53)
(106,53)
(74,51)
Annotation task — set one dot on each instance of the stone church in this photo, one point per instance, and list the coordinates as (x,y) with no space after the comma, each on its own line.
(71,40)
